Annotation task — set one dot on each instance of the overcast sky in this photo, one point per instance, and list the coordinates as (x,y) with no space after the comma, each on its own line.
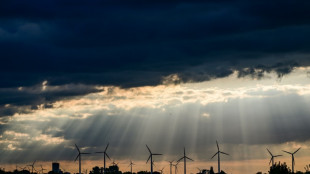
(168,74)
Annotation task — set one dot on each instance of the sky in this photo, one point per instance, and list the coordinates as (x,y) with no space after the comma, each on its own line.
(169,74)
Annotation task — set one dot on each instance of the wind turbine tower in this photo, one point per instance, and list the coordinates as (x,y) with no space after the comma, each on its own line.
(32,166)
(176,167)
(131,164)
(218,156)
(105,155)
(272,157)
(184,158)
(151,157)
(79,156)
(293,159)
(170,166)
(42,169)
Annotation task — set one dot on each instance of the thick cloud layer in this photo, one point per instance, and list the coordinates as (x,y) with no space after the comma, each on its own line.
(136,43)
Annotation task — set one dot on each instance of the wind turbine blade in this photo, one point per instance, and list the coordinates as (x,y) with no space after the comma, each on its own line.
(217,144)
(85,153)
(269,152)
(270,160)
(277,155)
(189,158)
(106,148)
(148,158)
(99,152)
(107,155)
(224,153)
(214,155)
(77,148)
(34,162)
(148,148)
(157,154)
(297,150)
(287,152)
(180,159)
(77,157)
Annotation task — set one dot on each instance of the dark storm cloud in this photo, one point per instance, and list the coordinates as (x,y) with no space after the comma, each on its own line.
(137,43)
(24,100)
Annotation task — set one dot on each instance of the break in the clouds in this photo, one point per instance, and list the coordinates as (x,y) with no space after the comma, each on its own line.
(245,116)
(137,43)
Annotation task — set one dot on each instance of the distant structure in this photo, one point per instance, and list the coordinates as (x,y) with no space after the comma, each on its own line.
(131,164)
(170,163)
(293,159)
(32,166)
(42,169)
(105,155)
(79,156)
(218,156)
(55,167)
(176,167)
(161,171)
(272,157)
(184,158)
(151,157)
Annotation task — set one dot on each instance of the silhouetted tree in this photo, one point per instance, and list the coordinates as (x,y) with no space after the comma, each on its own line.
(96,170)
(211,170)
(279,168)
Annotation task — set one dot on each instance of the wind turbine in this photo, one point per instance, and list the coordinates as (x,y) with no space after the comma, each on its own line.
(104,155)
(176,167)
(32,166)
(293,160)
(42,169)
(170,166)
(200,171)
(272,157)
(184,157)
(131,164)
(161,171)
(114,163)
(79,156)
(151,157)
(218,156)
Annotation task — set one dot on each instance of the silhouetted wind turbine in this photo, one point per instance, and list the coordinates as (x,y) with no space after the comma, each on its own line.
(151,157)
(170,166)
(218,156)
(79,156)
(293,160)
(104,155)
(161,171)
(114,164)
(32,166)
(176,167)
(272,157)
(42,169)
(184,158)
(131,164)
